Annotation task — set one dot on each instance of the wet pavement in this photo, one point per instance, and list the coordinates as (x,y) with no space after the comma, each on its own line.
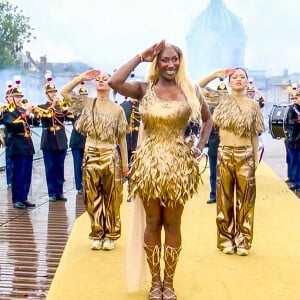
(32,240)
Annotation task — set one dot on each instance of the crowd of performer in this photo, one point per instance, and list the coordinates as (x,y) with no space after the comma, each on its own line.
(154,140)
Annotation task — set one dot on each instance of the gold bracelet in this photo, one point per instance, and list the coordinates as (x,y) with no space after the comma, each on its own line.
(141,58)
(81,77)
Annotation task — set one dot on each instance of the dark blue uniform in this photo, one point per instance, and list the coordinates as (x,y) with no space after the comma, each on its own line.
(293,145)
(133,119)
(21,152)
(213,144)
(131,109)
(8,160)
(54,145)
(77,143)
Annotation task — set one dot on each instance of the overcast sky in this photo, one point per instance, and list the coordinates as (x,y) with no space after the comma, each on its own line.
(105,34)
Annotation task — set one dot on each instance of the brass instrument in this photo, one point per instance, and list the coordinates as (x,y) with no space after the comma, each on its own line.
(64,104)
(4,105)
(41,111)
(7,106)
(24,101)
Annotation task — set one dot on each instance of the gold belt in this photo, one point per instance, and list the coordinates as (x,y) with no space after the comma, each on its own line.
(54,128)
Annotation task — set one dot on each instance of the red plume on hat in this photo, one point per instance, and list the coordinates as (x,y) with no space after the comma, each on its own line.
(82,89)
(293,92)
(17,79)
(48,76)
(250,87)
(14,90)
(49,86)
(9,85)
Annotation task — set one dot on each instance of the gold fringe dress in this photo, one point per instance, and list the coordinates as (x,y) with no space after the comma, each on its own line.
(103,122)
(163,167)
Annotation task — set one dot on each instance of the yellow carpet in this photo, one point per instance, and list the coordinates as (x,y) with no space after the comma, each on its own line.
(271,271)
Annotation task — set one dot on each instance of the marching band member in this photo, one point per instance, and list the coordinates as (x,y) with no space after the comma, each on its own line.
(7,142)
(131,109)
(253,93)
(54,142)
(77,142)
(293,142)
(21,149)
(104,124)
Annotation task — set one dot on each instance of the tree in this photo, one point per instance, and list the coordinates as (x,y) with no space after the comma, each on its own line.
(14,32)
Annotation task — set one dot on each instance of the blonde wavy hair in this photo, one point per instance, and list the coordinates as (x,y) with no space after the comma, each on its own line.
(181,79)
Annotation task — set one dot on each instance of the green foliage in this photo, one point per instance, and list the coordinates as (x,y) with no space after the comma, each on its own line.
(15,31)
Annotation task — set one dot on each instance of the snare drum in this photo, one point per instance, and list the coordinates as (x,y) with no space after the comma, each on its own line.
(278,120)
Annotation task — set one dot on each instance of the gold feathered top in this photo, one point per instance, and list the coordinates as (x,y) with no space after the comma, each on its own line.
(239,115)
(101,119)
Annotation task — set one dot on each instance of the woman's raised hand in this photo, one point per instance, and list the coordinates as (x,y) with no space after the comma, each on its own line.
(224,73)
(149,54)
(91,74)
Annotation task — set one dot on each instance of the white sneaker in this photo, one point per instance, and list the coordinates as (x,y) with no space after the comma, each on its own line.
(242,251)
(228,250)
(108,244)
(97,245)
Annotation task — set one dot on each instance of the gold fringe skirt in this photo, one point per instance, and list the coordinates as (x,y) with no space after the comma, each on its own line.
(165,170)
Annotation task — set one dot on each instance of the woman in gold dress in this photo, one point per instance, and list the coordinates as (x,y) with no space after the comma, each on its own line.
(164,174)
(239,121)
(104,124)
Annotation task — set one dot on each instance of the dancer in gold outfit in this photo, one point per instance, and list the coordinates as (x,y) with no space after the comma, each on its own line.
(164,173)
(240,121)
(104,124)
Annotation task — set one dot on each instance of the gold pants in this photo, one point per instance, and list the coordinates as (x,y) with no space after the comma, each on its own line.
(103,190)
(235,174)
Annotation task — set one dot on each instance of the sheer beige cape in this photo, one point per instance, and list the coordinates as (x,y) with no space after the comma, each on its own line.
(135,254)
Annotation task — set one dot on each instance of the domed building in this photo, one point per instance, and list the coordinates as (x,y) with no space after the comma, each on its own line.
(216,40)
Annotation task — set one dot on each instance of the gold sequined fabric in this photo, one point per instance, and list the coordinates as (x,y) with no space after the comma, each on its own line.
(163,167)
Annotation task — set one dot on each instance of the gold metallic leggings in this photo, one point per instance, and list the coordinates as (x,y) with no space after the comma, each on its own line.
(235,173)
(103,191)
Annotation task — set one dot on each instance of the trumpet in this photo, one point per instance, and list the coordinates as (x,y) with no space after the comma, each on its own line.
(7,106)
(45,112)
(64,104)
(24,101)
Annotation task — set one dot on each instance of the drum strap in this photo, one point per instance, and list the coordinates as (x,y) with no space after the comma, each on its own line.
(261,149)
(296,110)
